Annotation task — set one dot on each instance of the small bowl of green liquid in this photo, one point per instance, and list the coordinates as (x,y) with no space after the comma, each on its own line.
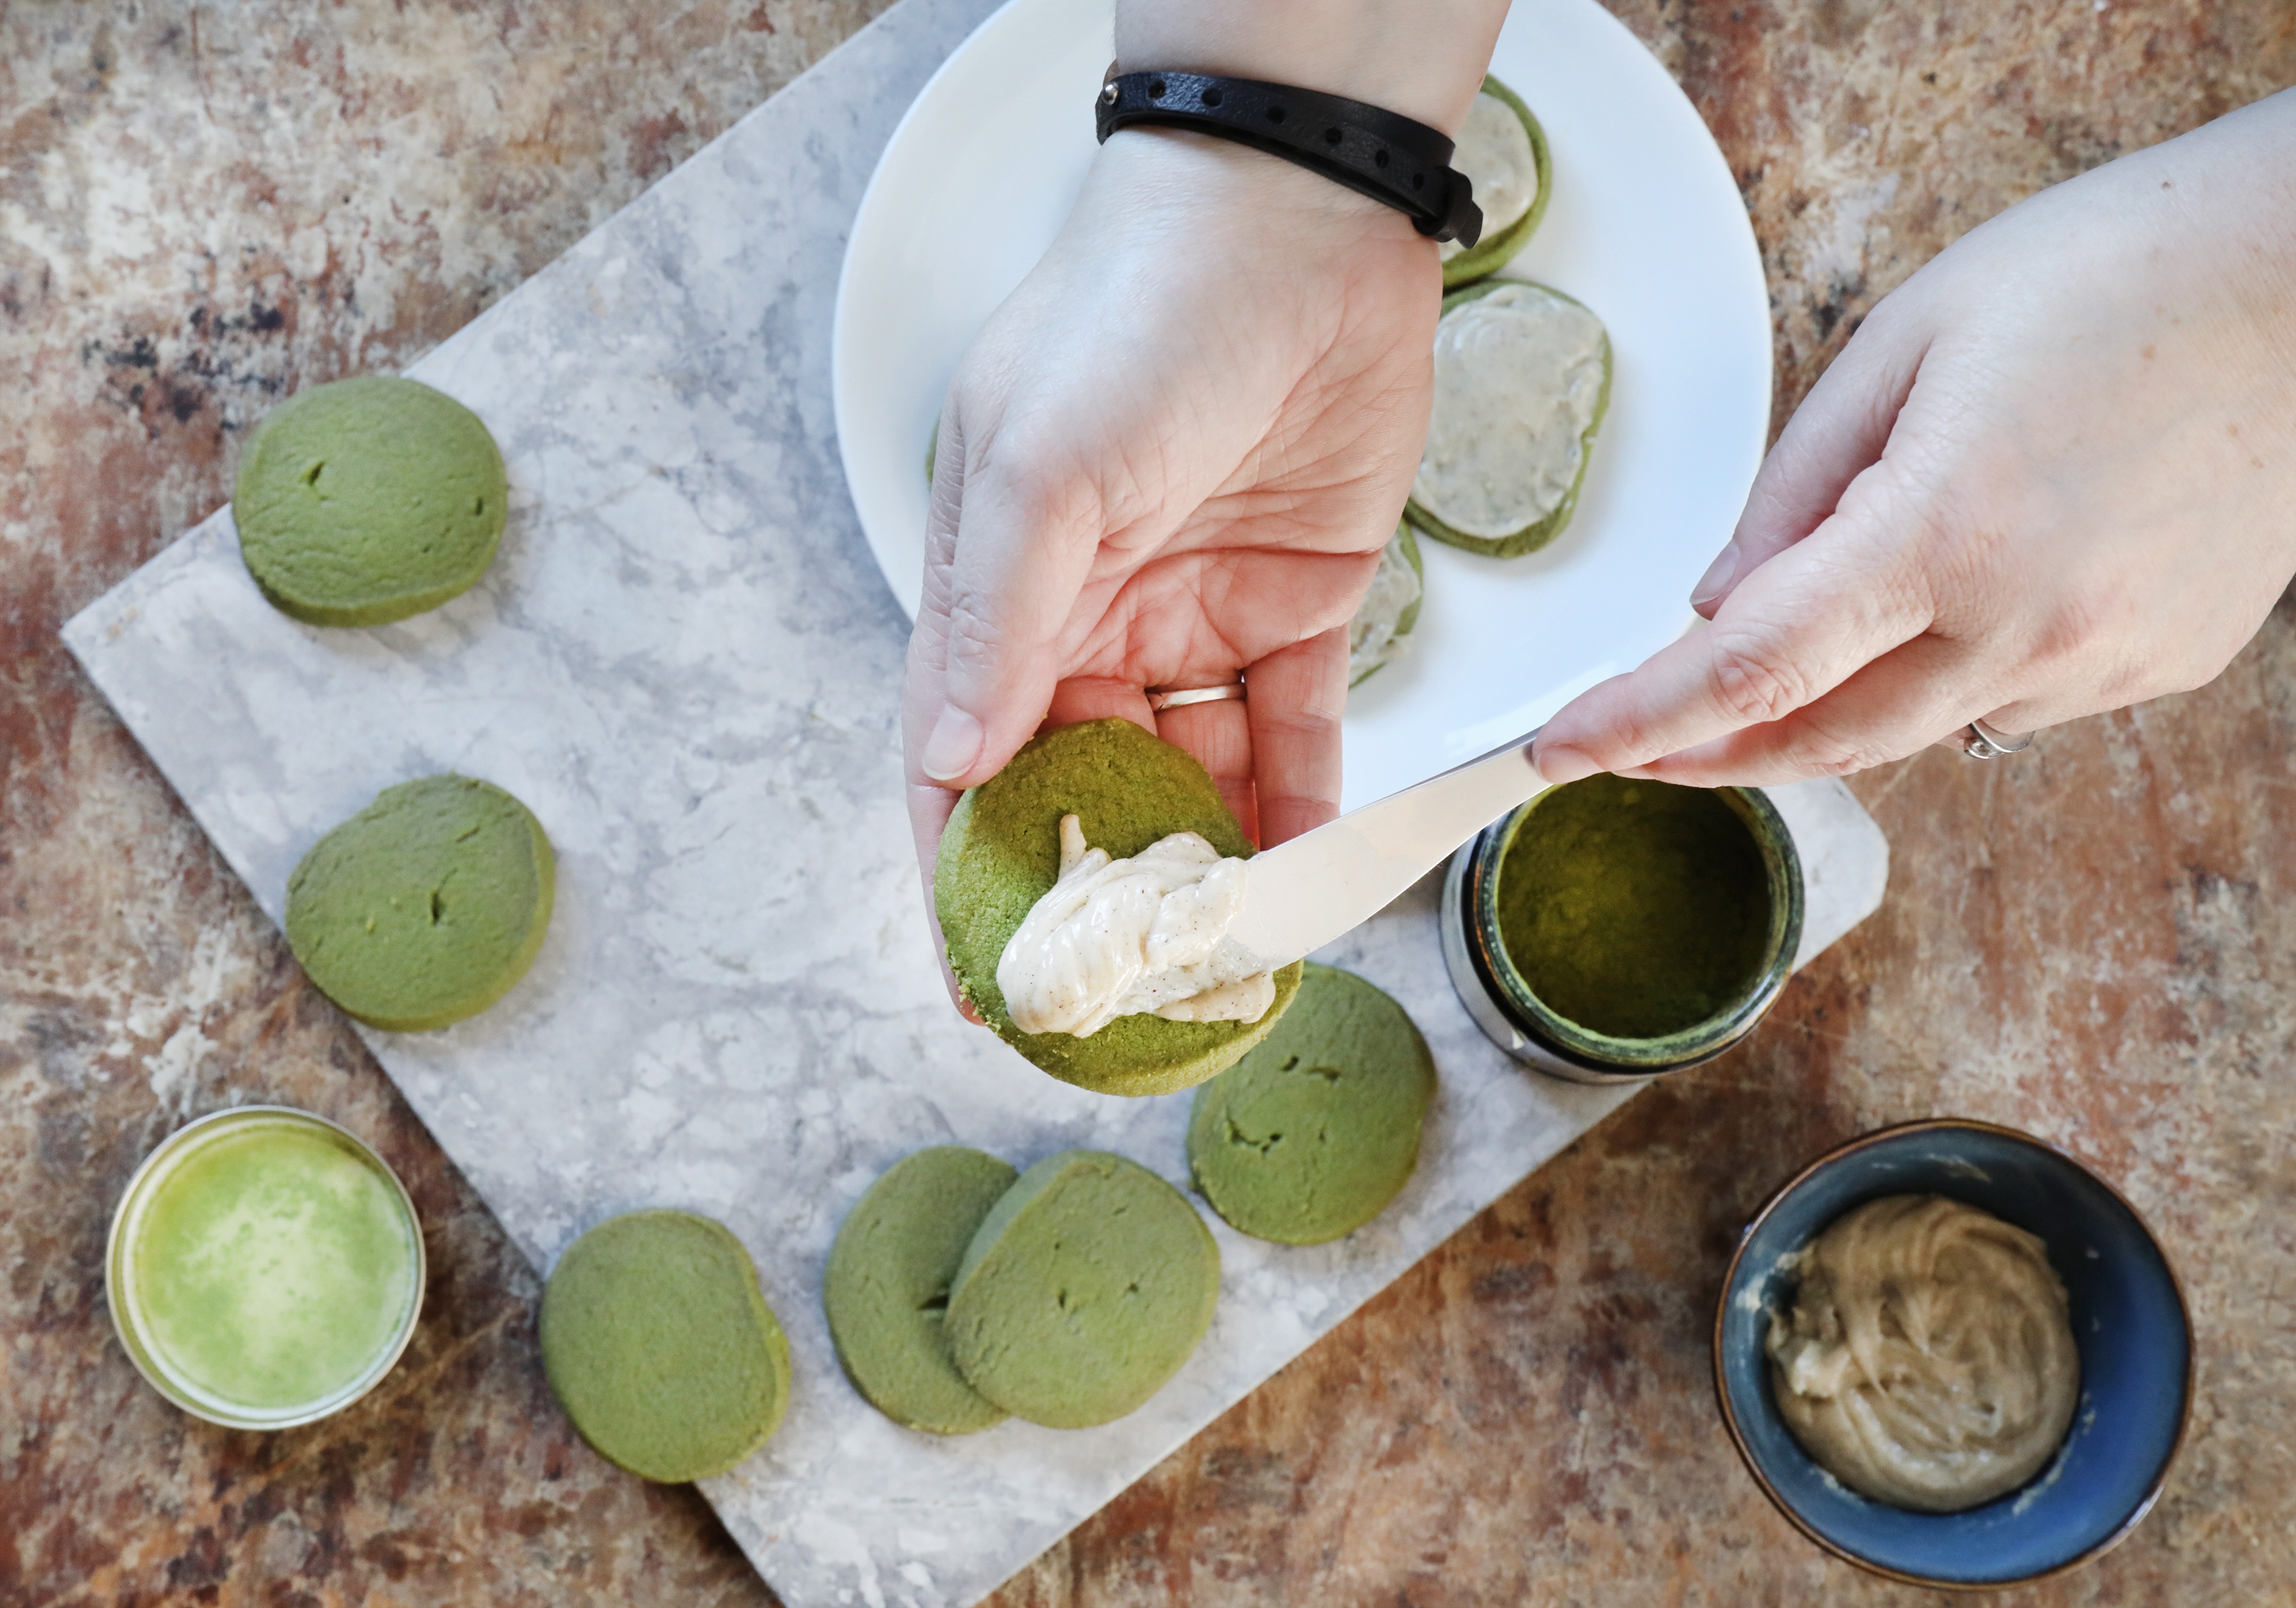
(1612,930)
(265,1268)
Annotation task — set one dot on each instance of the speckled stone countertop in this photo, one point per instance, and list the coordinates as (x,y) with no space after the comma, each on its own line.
(203,208)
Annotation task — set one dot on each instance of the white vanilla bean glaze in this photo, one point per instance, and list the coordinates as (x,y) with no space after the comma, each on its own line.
(1118,938)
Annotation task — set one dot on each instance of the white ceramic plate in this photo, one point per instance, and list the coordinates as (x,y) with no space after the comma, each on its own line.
(1645,226)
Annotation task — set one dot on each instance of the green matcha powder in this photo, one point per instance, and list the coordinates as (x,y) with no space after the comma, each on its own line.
(1634,909)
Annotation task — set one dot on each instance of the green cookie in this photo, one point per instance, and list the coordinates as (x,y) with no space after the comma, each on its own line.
(368,500)
(1002,852)
(1487,122)
(1546,520)
(660,1346)
(424,908)
(887,1290)
(1087,1287)
(1314,1132)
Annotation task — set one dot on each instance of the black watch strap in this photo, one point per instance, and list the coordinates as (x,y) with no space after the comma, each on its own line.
(1391,159)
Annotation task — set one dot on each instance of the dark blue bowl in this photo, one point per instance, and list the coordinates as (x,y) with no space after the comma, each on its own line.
(2128,1320)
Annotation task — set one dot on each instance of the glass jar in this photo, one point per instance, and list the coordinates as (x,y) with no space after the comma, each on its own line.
(1504,1004)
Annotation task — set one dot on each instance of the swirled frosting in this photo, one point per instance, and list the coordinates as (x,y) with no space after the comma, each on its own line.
(1928,1361)
(1518,379)
(1117,937)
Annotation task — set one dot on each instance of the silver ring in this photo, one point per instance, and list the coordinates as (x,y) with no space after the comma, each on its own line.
(1162,698)
(1980,740)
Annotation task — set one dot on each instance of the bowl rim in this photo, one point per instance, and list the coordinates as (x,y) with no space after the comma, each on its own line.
(1745,1453)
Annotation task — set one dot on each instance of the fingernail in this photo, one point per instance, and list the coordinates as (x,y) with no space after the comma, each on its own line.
(1716,578)
(953,747)
(1559,765)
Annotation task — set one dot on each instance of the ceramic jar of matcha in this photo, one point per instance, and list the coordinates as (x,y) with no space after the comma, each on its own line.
(1611,929)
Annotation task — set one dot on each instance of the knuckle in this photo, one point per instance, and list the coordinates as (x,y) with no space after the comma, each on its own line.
(1607,725)
(1845,762)
(1041,481)
(974,635)
(1018,488)
(1628,738)
(2074,625)
(1752,680)
(1314,717)
(1820,752)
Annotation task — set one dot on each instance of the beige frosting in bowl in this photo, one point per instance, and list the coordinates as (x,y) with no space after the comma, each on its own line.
(1928,1361)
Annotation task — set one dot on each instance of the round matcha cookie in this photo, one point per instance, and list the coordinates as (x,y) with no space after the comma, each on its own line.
(1002,852)
(1522,380)
(1503,151)
(424,908)
(1085,1288)
(660,1346)
(887,1289)
(1314,1132)
(368,500)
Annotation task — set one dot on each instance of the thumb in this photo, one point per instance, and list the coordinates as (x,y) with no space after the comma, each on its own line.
(1009,542)
(1839,430)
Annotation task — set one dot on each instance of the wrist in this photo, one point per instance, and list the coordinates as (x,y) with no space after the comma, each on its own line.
(1421,62)
(1179,178)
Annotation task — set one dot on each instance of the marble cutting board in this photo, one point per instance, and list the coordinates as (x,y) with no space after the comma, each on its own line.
(686,662)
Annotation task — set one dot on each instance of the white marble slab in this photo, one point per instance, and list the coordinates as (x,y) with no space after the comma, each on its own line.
(686,663)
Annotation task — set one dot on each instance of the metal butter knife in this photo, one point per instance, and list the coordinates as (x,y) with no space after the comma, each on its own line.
(1299,896)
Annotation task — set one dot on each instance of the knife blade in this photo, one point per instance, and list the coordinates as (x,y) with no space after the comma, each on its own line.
(1299,896)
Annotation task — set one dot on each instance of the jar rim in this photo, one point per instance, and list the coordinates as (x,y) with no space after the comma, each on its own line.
(1606,1053)
(128,1322)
